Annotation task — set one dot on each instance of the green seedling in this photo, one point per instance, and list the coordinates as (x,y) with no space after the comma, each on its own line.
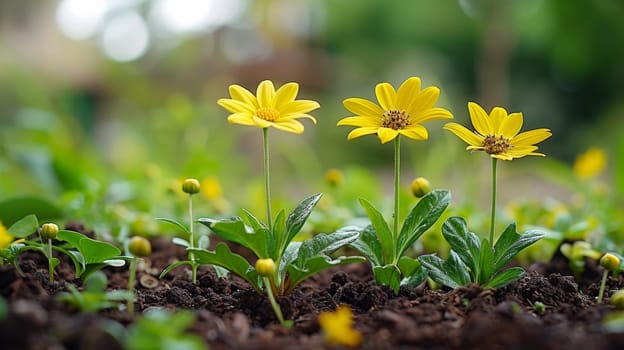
(539,307)
(163,330)
(472,260)
(94,297)
(386,250)
(610,263)
(138,247)
(576,253)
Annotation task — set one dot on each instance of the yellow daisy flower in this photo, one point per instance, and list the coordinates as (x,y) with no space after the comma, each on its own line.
(269,108)
(497,134)
(5,237)
(338,327)
(399,112)
(591,163)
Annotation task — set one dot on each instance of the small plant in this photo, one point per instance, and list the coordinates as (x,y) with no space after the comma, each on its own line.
(94,297)
(138,247)
(399,113)
(610,263)
(163,330)
(617,299)
(48,232)
(576,253)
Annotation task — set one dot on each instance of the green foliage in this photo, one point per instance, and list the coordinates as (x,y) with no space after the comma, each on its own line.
(296,261)
(163,330)
(94,297)
(386,252)
(472,260)
(14,209)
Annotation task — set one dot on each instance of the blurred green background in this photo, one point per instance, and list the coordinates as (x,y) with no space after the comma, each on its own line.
(111,101)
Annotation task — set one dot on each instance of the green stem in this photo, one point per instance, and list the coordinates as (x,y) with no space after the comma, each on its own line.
(267,182)
(50,266)
(603,284)
(493,217)
(192,240)
(397,169)
(131,278)
(276,308)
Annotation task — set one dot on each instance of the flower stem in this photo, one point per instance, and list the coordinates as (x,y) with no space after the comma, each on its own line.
(276,308)
(192,240)
(603,284)
(397,167)
(493,217)
(50,266)
(131,278)
(267,182)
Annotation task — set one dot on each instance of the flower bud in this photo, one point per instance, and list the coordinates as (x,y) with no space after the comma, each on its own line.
(139,246)
(49,230)
(420,187)
(610,262)
(617,299)
(334,177)
(190,186)
(265,267)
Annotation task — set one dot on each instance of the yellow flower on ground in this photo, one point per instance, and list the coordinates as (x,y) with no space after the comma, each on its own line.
(590,163)
(268,108)
(337,327)
(5,237)
(399,112)
(497,134)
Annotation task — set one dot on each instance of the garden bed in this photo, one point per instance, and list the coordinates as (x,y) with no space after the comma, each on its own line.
(229,314)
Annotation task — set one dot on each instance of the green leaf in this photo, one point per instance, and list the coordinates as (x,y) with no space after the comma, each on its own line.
(233,229)
(297,218)
(504,278)
(276,239)
(54,262)
(451,273)
(510,243)
(223,256)
(12,210)
(181,242)
(367,243)
(408,265)
(388,275)
(417,276)
(170,267)
(384,235)
(465,243)
(24,227)
(486,263)
(177,224)
(422,217)
(92,250)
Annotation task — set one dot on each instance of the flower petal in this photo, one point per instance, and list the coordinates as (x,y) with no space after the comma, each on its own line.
(407,93)
(479,119)
(361,132)
(236,106)
(530,137)
(511,125)
(241,118)
(386,134)
(298,116)
(299,106)
(425,100)
(240,93)
(261,122)
(360,121)
(386,96)
(285,94)
(465,134)
(289,125)
(362,107)
(431,114)
(266,93)
(497,118)
(416,132)
(519,152)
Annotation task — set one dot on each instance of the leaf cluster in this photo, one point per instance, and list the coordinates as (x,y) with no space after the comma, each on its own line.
(94,297)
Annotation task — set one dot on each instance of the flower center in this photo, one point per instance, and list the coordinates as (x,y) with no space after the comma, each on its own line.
(268,114)
(395,119)
(496,145)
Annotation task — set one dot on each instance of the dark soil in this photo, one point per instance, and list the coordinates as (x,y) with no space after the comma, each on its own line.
(231,315)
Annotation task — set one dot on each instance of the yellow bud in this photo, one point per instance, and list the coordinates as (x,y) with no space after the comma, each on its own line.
(190,186)
(49,230)
(265,267)
(610,262)
(139,246)
(617,299)
(334,177)
(420,187)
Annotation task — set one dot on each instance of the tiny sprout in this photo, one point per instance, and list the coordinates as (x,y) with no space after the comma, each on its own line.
(539,307)
(265,267)
(420,187)
(49,230)
(190,186)
(139,246)
(610,262)
(617,299)
(334,177)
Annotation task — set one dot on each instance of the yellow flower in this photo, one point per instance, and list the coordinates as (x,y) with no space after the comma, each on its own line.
(399,112)
(497,134)
(591,163)
(211,188)
(269,108)
(337,327)
(5,237)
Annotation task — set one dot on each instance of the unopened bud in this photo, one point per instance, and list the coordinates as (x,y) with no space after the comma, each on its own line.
(139,246)
(49,230)
(334,177)
(610,262)
(190,186)
(265,267)
(420,187)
